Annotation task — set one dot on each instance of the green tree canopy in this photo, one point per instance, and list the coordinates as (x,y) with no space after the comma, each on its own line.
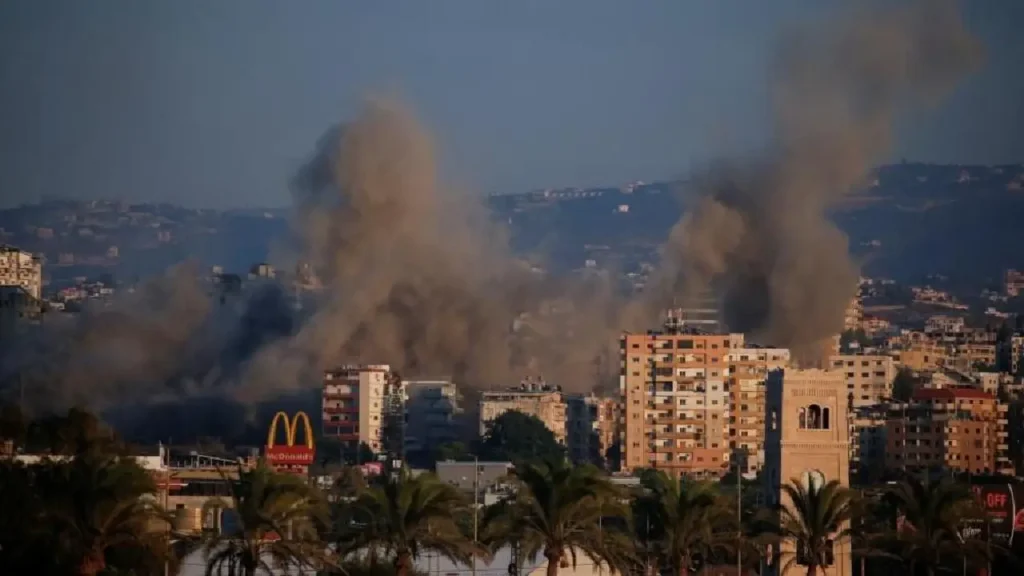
(520,438)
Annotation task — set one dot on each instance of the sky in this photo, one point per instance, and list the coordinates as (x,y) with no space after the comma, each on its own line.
(215,104)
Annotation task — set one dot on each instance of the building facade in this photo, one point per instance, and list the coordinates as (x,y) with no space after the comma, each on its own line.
(20,268)
(748,371)
(869,378)
(806,441)
(674,397)
(533,398)
(960,429)
(592,427)
(358,405)
(431,410)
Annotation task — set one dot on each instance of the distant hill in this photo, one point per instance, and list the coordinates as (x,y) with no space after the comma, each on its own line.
(912,220)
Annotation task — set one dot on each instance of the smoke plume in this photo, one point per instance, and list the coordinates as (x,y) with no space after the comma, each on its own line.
(760,234)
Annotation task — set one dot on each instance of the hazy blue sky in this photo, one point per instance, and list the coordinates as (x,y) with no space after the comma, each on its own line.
(216,103)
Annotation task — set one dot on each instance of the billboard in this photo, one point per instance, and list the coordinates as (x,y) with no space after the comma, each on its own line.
(1004,508)
(290,454)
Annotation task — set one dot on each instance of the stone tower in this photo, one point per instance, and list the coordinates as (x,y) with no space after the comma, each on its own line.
(807,439)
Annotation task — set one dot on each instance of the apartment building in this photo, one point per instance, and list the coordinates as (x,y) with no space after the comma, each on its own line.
(868,377)
(854,313)
(431,410)
(592,427)
(20,268)
(360,404)
(962,429)
(868,442)
(748,369)
(675,402)
(535,398)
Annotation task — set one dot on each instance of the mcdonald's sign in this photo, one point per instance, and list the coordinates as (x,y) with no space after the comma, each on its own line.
(290,454)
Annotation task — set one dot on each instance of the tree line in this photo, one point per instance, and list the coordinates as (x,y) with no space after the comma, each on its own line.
(90,510)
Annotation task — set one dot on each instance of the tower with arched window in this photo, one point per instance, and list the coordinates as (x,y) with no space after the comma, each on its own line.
(807,441)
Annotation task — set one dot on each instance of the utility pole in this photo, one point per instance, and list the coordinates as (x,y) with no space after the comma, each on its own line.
(739,521)
(476,505)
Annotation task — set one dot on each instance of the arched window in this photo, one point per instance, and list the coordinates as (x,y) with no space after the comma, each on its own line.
(814,417)
(803,418)
(824,419)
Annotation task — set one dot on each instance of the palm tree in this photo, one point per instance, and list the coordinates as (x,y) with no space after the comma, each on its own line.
(96,503)
(815,516)
(682,520)
(557,511)
(404,516)
(929,516)
(279,519)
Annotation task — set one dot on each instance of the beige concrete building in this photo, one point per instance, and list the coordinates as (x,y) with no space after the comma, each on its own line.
(356,401)
(592,427)
(675,402)
(536,399)
(868,377)
(962,429)
(806,441)
(748,370)
(20,268)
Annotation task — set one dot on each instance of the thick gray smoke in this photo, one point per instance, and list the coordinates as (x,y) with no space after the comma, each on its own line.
(416,275)
(760,235)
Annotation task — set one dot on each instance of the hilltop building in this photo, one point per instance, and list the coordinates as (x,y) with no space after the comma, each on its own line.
(20,268)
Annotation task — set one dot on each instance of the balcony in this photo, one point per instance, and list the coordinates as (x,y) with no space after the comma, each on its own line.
(341,409)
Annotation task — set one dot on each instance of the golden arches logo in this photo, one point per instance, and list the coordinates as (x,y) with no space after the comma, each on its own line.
(290,428)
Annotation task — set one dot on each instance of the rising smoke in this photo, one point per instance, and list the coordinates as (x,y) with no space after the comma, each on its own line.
(760,234)
(416,275)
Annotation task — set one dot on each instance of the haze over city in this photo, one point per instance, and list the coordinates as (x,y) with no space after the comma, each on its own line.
(578,288)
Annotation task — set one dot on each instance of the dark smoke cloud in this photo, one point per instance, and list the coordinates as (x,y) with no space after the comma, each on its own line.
(759,234)
(416,275)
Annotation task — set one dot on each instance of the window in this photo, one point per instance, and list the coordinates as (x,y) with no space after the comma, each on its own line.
(814,417)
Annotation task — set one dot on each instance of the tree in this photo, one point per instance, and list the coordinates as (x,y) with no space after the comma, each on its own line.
(929,519)
(518,438)
(68,516)
(280,518)
(559,511)
(682,521)
(904,384)
(350,482)
(403,517)
(451,451)
(814,518)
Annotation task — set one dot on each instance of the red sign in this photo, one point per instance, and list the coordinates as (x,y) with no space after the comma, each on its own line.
(290,454)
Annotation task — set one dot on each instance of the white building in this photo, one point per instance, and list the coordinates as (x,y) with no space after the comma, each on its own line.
(356,402)
(20,268)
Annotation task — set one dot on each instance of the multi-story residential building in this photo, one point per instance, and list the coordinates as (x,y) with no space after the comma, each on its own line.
(359,403)
(20,268)
(431,410)
(534,398)
(867,442)
(592,427)
(748,369)
(962,429)
(943,324)
(1009,354)
(854,312)
(922,356)
(1014,282)
(868,377)
(675,402)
